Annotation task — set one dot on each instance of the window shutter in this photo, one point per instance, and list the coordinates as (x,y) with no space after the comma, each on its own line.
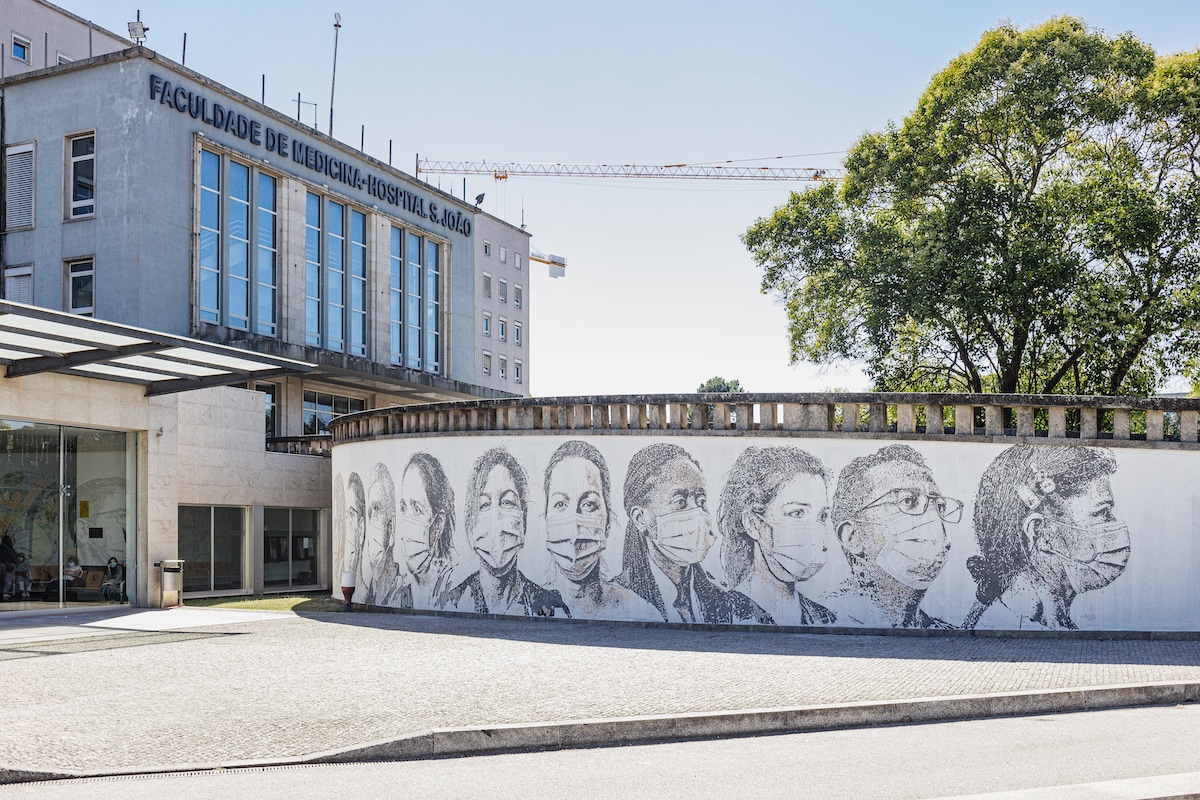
(18,197)
(18,287)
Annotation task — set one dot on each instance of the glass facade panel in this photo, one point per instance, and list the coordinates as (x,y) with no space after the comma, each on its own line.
(276,552)
(396,299)
(312,271)
(335,276)
(210,237)
(268,278)
(195,547)
(228,548)
(83,176)
(305,537)
(239,246)
(412,341)
(358,283)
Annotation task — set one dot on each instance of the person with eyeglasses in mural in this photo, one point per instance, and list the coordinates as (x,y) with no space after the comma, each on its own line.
(890,518)
(1047,533)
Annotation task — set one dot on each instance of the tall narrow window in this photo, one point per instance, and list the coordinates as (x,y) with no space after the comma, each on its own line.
(335,274)
(503,291)
(487,285)
(503,255)
(517,296)
(516,371)
(81,285)
(487,324)
(312,270)
(517,257)
(517,334)
(396,297)
(487,363)
(239,246)
(18,284)
(268,269)
(83,175)
(432,307)
(412,308)
(18,186)
(358,283)
(503,329)
(210,237)
(503,368)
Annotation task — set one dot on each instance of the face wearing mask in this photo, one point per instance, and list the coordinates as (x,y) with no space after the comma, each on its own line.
(575,541)
(683,536)
(1091,557)
(915,555)
(797,550)
(499,531)
(413,538)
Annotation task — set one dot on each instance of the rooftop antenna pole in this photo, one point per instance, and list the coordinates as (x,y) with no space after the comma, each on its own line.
(337,28)
(264,90)
(389,152)
(298,106)
(184,60)
(362,138)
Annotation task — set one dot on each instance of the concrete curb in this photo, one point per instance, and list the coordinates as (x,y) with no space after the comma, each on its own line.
(474,741)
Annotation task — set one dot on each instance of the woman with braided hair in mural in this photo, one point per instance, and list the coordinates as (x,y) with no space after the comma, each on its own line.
(774,521)
(1047,533)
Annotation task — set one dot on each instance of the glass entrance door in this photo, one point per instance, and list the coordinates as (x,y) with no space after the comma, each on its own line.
(66,502)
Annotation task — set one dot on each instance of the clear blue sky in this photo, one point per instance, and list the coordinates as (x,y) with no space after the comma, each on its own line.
(660,292)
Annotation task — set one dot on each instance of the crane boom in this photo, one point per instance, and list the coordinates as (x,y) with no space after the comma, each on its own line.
(501,171)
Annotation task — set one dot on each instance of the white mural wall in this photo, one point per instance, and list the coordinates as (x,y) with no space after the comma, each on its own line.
(773,531)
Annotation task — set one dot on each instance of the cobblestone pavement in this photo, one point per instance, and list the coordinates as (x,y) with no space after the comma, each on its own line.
(285,686)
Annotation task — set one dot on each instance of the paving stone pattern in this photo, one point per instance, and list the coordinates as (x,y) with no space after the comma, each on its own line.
(303,684)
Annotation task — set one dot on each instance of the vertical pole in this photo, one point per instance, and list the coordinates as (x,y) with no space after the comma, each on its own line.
(362,138)
(263,97)
(184,60)
(389,152)
(297,106)
(337,28)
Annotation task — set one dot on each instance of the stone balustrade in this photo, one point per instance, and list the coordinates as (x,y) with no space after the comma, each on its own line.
(974,417)
(318,445)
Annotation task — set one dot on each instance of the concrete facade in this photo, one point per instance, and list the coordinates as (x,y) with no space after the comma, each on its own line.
(53,36)
(502,297)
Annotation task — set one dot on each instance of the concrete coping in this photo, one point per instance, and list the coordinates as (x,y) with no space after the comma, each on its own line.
(1136,421)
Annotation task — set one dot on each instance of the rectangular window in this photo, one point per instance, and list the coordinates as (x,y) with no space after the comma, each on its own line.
(81,286)
(487,248)
(517,296)
(487,285)
(516,371)
(517,258)
(238,248)
(321,407)
(503,329)
(432,322)
(396,298)
(312,270)
(358,283)
(290,547)
(18,284)
(268,256)
(271,391)
(517,334)
(503,368)
(487,324)
(238,245)
(487,363)
(18,187)
(63,58)
(22,48)
(412,306)
(503,291)
(82,190)
(212,540)
(503,255)
(335,275)
(210,237)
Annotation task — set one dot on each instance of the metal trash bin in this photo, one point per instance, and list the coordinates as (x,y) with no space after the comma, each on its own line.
(172,580)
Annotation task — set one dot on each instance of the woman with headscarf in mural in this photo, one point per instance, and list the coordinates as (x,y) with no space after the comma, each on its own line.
(578,519)
(774,520)
(497,511)
(668,535)
(1047,533)
(424,530)
(356,542)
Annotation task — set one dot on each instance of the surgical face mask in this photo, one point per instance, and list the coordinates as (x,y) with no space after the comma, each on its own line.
(683,536)
(498,537)
(414,542)
(916,555)
(70,563)
(797,550)
(575,541)
(1099,555)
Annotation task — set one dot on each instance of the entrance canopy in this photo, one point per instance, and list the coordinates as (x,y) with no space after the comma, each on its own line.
(34,340)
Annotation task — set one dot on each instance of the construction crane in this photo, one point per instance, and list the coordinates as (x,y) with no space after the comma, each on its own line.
(502,171)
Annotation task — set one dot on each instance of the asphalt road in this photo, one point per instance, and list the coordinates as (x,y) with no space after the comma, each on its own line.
(1128,753)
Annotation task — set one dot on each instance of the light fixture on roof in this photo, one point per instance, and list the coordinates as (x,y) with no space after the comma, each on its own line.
(138,31)
(479,199)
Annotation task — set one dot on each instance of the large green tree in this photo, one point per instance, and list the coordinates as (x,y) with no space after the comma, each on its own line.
(1033,225)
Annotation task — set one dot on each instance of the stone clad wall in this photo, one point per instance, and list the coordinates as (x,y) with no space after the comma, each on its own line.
(871,530)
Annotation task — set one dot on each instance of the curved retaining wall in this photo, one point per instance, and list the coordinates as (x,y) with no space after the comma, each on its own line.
(849,510)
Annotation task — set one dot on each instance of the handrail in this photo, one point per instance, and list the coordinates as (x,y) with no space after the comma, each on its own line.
(317,445)
(978,416)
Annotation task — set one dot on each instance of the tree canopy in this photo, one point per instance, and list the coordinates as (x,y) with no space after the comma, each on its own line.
(719,384)
(1033,225)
